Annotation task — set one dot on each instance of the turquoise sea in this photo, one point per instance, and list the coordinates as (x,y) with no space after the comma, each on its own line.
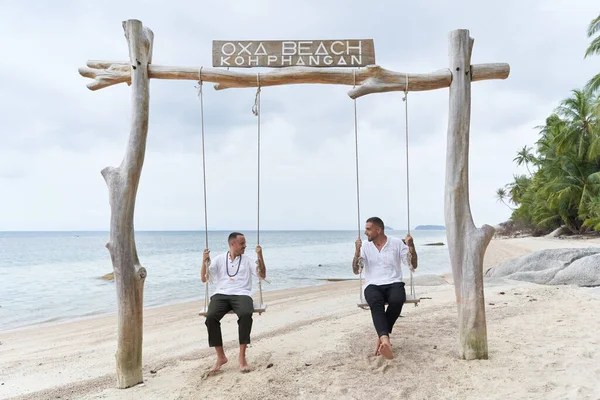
(49,277)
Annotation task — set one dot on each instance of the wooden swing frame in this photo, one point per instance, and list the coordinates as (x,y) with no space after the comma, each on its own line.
(466,243)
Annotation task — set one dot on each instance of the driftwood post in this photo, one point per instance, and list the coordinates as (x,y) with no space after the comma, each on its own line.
(122,185)
(466,243)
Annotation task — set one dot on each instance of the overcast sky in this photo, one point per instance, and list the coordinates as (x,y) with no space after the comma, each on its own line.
(56,135)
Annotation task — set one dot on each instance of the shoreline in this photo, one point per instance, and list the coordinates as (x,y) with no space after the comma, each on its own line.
(315,336)
(163,307)
(199,301)
(521,245)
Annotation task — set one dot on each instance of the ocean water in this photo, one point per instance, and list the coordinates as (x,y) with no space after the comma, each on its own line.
(49,277)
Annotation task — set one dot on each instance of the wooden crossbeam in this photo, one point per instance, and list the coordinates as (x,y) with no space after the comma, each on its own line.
(371,79)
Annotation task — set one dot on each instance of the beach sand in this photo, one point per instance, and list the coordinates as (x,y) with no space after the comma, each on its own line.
(315,343)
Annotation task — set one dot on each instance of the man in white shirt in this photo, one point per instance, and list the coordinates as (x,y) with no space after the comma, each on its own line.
(382,257)
(232,272)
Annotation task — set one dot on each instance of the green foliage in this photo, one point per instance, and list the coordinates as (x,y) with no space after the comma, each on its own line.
(564,189)
(594,49)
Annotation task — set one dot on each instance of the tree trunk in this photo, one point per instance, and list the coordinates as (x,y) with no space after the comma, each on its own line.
(122,185)
(466,243)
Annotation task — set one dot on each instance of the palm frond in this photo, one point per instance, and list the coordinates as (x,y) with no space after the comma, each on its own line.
(594,223)
(594,26)
(594,149)
(593,48)
(593,85)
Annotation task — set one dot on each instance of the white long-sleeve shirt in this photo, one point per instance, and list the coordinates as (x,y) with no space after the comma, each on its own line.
(385,266)
(233,277)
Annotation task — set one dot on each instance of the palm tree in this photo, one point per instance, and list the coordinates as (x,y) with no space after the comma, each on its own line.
(566,182)
(564,188)
(569,186)
(593,220)
(501,196)
(518,187)
(579,111)
(524,156)
(594,49)
(546,145)
(594,150)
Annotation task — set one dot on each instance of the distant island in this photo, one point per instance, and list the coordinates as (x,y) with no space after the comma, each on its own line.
(430,228)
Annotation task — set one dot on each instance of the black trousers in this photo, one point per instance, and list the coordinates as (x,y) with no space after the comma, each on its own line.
(377,296)
(221,304)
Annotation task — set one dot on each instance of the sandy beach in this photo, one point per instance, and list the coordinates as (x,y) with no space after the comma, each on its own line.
(315,343)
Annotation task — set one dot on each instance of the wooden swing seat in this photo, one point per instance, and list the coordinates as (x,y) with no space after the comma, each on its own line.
(409,299)
(258,308)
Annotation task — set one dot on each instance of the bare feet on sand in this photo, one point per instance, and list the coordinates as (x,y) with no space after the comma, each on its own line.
(385,348)
(217,368)
(244,365)
(377,345)
(221,360)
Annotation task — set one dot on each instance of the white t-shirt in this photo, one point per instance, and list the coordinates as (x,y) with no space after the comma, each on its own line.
(384,267)
(233,277)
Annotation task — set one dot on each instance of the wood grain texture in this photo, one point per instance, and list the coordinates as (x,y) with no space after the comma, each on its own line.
(372,79)
(466,243)
(122,185)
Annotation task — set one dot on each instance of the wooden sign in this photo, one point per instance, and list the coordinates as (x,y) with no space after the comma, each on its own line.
(293,53)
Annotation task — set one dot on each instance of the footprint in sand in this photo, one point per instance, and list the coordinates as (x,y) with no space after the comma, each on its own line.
(210,373)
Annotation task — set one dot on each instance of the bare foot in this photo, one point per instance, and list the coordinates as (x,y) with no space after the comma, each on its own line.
(220,362)
(244,365)
(377,345)
(386,348)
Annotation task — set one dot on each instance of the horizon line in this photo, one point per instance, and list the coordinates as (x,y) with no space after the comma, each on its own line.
(441,228)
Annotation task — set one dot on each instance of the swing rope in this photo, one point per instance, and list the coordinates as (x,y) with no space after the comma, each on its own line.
(356,151)
(405,100)
(200,95)
(360,261)
(256,112)
(361,265)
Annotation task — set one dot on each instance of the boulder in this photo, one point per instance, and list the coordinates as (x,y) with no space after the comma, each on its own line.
(108,277)
(582,272)
(578,266)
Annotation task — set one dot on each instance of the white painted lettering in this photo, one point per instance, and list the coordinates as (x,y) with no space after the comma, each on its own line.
(287,59)
(261,48)
(342,61)
(337,53)
(253,60)
(328,60)
(288,48)
(271,59)
(300,61)
(304,48)
(225,60)
(244,49)
(321,50)
(239,60)
(232,48)
(314,60)
(356,60)
(349,48)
